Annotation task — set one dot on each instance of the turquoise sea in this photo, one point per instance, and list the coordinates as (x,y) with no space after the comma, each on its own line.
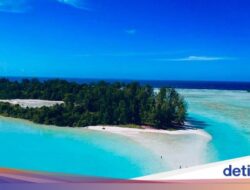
(28,146)
(225,115)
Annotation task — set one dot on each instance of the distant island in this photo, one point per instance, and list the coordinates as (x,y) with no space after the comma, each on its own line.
(101,103)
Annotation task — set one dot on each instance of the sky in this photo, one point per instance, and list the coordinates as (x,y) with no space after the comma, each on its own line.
(204,40)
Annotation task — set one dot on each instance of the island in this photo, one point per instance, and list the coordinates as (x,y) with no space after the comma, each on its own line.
(71,104)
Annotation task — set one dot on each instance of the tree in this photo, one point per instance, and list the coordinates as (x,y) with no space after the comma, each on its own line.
(95,103)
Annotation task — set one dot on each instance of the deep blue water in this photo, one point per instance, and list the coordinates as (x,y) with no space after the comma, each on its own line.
(162,83)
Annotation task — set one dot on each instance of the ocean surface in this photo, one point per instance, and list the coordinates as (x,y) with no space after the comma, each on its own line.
(162,83)
(28,146)
(224,114)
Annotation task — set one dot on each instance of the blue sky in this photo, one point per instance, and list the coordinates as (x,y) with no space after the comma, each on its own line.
(127,39)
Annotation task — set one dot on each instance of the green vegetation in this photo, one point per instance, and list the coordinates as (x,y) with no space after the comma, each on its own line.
(95,104)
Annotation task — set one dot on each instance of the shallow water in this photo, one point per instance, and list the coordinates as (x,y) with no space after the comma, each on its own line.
(225,115)
(33,147)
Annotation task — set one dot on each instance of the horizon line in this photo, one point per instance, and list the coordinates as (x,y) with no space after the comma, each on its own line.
(121,79)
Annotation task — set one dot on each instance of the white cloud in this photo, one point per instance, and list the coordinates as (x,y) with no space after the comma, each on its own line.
(22,6)
(131,31)
(14,6)
(80,4)
(124,54)
(197,58)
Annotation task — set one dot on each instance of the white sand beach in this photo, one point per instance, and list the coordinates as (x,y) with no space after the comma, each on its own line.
(132,131)
(32,103)
(180,148)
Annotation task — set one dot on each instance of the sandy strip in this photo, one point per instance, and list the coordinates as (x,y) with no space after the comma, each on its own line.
(175,149)
(32,103)
(127,131)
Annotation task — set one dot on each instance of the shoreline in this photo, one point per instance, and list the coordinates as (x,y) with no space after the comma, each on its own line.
(171,149)
(123,130)
(174,149)
(127,131)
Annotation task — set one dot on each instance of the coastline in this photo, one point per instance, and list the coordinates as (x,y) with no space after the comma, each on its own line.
(173,149)
(38,103)
(132,131)
(122,130)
